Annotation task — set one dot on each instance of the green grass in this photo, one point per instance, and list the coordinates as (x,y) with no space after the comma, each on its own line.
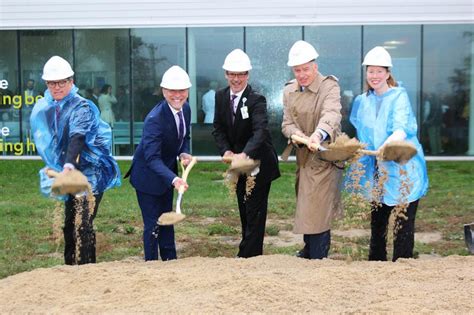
(212,227)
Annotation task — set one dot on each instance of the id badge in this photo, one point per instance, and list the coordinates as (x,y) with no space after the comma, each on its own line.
(245,112)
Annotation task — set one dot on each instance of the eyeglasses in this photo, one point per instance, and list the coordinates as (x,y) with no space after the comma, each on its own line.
(238,75)
(53,84)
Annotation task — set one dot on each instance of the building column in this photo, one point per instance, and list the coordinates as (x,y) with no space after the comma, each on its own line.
(192,75)
(470,150)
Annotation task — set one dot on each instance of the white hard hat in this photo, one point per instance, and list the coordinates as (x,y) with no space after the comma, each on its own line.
(378,56)
(57,68)
(237,60)
(300,53)
(175,78)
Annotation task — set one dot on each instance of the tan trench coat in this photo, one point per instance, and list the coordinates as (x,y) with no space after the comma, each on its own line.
(318,193)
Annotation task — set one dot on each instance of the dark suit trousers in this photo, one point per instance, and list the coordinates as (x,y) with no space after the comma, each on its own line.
(253,214)
(152,207)
(404,239)
(86,231)
(317,245)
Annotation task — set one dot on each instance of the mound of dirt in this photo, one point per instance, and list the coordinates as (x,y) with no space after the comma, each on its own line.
(265,284)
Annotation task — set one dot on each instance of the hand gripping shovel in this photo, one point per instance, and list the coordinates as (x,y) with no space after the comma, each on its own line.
(397,151)
(170,218)
(72,182)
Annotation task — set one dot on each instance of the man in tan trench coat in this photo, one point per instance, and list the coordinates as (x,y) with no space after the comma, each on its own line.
(312,109)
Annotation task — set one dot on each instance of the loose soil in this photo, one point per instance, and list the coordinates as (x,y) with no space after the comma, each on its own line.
(265,284)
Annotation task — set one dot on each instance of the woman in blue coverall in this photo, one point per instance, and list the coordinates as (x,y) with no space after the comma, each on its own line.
(380,115)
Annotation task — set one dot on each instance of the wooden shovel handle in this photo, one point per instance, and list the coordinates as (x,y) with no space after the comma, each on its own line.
(305,141)
(227,159)
(369,152)
(51,173)
(185,174)
(188,168)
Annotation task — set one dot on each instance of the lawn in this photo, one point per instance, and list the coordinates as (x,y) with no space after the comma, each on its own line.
(212,226)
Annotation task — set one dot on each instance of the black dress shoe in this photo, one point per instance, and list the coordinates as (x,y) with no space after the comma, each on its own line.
(303,253)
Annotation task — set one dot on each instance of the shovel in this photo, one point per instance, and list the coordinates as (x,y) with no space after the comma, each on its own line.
(170,218)
(241,166)
(72,182)
(469,237)
(397,151)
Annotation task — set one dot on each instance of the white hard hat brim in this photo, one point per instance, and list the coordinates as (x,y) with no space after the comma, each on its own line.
(295,63)
(171,86)
(52,77)
(377,64)
(236,69)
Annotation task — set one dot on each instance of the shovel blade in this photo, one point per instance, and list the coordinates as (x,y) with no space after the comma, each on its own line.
(170,218)
(399,151)
(243,166)
(469,236)
(73,182)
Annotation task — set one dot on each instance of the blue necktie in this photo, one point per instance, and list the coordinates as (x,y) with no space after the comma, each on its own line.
(180,127)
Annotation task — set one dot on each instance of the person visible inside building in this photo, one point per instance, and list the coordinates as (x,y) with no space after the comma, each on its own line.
(107,102)
(208,102)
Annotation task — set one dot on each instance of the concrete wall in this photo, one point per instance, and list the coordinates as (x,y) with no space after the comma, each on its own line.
(27,14)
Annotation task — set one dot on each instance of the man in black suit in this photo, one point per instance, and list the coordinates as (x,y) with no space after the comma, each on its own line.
(241,132)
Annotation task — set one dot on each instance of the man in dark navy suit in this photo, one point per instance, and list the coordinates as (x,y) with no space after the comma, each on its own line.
(154,169)
(241,131)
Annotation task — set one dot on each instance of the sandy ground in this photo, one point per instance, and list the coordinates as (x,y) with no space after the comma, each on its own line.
(265,284)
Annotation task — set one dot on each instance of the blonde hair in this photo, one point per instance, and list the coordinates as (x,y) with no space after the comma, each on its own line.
(390,81)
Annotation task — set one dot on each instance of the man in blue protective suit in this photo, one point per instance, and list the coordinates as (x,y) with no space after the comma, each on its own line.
(154,169)
(68,135)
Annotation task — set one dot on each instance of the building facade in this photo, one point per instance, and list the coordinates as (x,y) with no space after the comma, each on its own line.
(129,45)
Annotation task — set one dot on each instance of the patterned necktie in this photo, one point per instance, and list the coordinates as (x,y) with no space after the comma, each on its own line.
(180,126)
(58,113)
(232,100)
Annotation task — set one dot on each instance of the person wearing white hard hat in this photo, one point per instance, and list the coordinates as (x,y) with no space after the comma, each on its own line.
(153,174)
(69,134)
(381,115)
(312,110)
(241,132)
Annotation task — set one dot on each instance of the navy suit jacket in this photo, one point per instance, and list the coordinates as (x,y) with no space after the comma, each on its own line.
(154,163)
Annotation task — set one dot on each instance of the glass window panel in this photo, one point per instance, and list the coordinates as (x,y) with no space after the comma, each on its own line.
(9,104)
(339,49)
(404,45)
(103,76)
(448,83)
(268,49)
(36,47)
(153,52)
(205,60)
